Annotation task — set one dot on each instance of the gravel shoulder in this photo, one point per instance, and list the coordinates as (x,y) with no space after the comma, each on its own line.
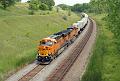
(77,70)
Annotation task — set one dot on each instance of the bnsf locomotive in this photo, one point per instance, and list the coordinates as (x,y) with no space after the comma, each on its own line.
(50,47)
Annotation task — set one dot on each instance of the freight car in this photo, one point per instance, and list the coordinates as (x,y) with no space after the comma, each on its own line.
(82,23)
(50,47)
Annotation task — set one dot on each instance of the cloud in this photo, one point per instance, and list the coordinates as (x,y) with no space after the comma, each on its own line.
(70,2)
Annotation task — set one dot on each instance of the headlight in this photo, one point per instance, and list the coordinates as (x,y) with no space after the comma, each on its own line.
(46,57)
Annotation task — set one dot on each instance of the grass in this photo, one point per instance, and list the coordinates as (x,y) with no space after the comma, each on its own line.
(20,35)
(104,64)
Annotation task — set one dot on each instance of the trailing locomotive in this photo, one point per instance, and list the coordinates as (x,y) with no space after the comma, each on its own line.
(54,45)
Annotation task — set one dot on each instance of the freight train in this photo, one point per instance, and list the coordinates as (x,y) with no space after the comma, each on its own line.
(52,46)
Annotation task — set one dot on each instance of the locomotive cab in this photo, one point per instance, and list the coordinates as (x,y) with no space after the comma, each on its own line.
(45,50)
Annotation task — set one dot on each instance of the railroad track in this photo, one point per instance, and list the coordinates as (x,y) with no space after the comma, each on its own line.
(64,67)
(32,73)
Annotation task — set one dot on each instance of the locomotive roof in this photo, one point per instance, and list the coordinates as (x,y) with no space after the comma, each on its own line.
(63,32)
(59,34)
(70,27)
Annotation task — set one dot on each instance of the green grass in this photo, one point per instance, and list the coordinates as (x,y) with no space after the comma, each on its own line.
(104,64)
(20,36)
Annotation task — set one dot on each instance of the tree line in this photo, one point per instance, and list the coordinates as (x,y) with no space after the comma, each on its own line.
(33,4)
(7,3)
(112,9)
(41,4)
(76,8)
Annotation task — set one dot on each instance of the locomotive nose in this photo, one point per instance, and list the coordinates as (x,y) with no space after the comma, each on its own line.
(43,51)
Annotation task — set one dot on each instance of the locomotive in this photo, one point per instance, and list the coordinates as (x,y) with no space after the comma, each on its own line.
(53,45)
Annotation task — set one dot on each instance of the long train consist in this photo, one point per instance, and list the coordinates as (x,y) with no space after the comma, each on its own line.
(50,47)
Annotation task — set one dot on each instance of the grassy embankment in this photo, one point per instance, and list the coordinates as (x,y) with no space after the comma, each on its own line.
(104,64)
(20,34)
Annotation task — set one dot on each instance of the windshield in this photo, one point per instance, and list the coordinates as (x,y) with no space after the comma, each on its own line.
(48,43)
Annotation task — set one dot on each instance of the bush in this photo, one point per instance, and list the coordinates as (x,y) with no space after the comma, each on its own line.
(58,9)
(40,13)
(48,12)
(50,8)
(44,13)
(65,18)
(69,13)
(31,12)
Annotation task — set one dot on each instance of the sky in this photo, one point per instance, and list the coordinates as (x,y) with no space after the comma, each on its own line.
(68,2)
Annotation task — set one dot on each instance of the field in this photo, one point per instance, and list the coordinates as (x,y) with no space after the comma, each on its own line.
(104,64)
(20,34)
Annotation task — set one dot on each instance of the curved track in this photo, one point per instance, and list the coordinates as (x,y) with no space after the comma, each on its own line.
(60,72)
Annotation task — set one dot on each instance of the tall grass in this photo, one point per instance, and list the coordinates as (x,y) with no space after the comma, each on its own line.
(104,64)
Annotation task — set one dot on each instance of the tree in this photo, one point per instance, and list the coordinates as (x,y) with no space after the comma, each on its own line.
(112,9)
(76,7)
(81,7)
(57,9)
(18,0)
(113,17)
(34,5)
(69,12)
(49,3)
(100,6)
(7,3)
(64,6)
(43,6)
